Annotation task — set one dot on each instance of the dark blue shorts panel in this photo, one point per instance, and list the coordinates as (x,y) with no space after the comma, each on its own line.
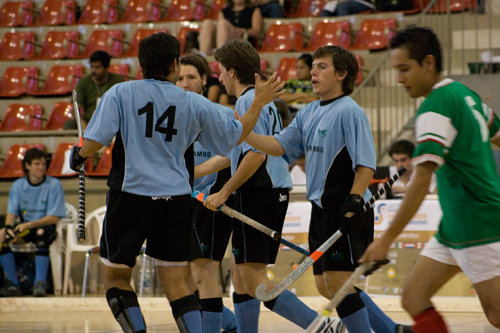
(267,207)
(344,254)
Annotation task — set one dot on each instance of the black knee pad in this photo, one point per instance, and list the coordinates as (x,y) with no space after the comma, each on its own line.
(182,306)
(119,301)
(350,304)
(211,304)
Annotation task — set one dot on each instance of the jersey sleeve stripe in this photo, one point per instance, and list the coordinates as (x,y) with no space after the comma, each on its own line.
(428,158)
(435,126)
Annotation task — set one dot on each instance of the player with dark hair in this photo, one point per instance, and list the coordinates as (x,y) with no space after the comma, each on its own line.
(261,184)
(38,201)
(213,229)
(401,152)
(336,139)
(149,198)
(453,129)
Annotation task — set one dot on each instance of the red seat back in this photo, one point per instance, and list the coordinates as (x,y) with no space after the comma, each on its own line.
(182,35)
(16,13)
(120,69)
(59,45)
(61,112)
(185,10)
(330,33)
(59,166)
(138,11)
(308,8)
(12,166)
(57,12)
(99,12)
(22,117)
(287,68)
(16,81)
(215,8)
(105,40)
(61,80)
(283,38)
(17,46)
(104,167)
(374,34)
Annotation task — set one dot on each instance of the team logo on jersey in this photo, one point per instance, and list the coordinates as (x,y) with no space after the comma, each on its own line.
(283,197)
(168,198)
(24,211)
(204,247)
(321,132)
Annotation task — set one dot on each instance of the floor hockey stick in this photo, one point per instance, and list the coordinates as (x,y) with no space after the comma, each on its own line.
(81,176)
(259,226)
(364,269)
(264,296)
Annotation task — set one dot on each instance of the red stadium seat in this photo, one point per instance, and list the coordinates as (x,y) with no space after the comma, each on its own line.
(140,11)
(57,45)
(185,10)
(139,75)
(215,8)
(61,112)
(283,38)
(104,167)
(59,166)
(12,166)
(330,33)
(16,13)
(17,46)
(22,117)
(120,69)
(182,35)
(105,40)
(18,81)
(61,80)
(307,8)
(133,49)
(56,12)
(374,34)
(287,68)
(99,12)
(214,68)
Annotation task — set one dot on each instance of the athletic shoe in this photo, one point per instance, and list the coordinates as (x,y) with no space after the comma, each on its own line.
(332,325)
(40,289)
(403,329)
(10,289)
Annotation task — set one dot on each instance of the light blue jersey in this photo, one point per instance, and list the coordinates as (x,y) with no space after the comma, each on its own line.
(32,202)
(273,173)
(155,122)
(335,137)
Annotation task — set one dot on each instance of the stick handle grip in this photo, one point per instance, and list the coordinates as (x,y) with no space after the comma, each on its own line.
(81,205)
(384,188)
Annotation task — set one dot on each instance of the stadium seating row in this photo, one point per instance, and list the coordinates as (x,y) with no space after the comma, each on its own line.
(58,167)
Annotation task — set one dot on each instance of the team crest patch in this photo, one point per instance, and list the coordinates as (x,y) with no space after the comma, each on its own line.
(338,256)
(236,252)
(321,132)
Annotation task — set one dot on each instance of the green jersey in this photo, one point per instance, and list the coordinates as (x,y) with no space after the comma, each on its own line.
(453,129)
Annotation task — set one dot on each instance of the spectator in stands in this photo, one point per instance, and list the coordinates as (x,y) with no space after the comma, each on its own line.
(238,20)
(269,8)
(299,91)
(401,153)
(90,88)
(38,201)
(348,7)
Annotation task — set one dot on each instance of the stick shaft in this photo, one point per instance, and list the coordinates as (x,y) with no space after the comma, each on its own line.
(81,176)
(385,188)
(245,219)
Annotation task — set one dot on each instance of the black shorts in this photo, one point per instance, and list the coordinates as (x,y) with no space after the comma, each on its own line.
(344,254)
(165,222)
(267,207)
(212,229)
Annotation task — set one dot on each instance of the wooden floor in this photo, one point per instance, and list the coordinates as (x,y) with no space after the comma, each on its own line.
(91,314)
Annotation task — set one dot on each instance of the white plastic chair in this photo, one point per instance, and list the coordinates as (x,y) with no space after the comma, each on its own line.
(93,229)
(56,248)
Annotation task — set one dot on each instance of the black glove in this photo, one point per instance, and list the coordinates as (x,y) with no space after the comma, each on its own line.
(376,265)
(8,236)
(75,160)
(351,213)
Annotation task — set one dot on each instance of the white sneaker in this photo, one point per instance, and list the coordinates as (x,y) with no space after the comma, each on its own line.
(333,325)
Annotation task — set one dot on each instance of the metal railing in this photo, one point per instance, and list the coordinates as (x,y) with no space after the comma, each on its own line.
(464,35)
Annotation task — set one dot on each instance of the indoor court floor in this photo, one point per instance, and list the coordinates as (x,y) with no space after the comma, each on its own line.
(74,314)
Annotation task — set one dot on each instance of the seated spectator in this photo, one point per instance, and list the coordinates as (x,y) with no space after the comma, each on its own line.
(401,153)
(347,7)
(37,202)
(238,20)
(299,91)
(90,88)
(269,8)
